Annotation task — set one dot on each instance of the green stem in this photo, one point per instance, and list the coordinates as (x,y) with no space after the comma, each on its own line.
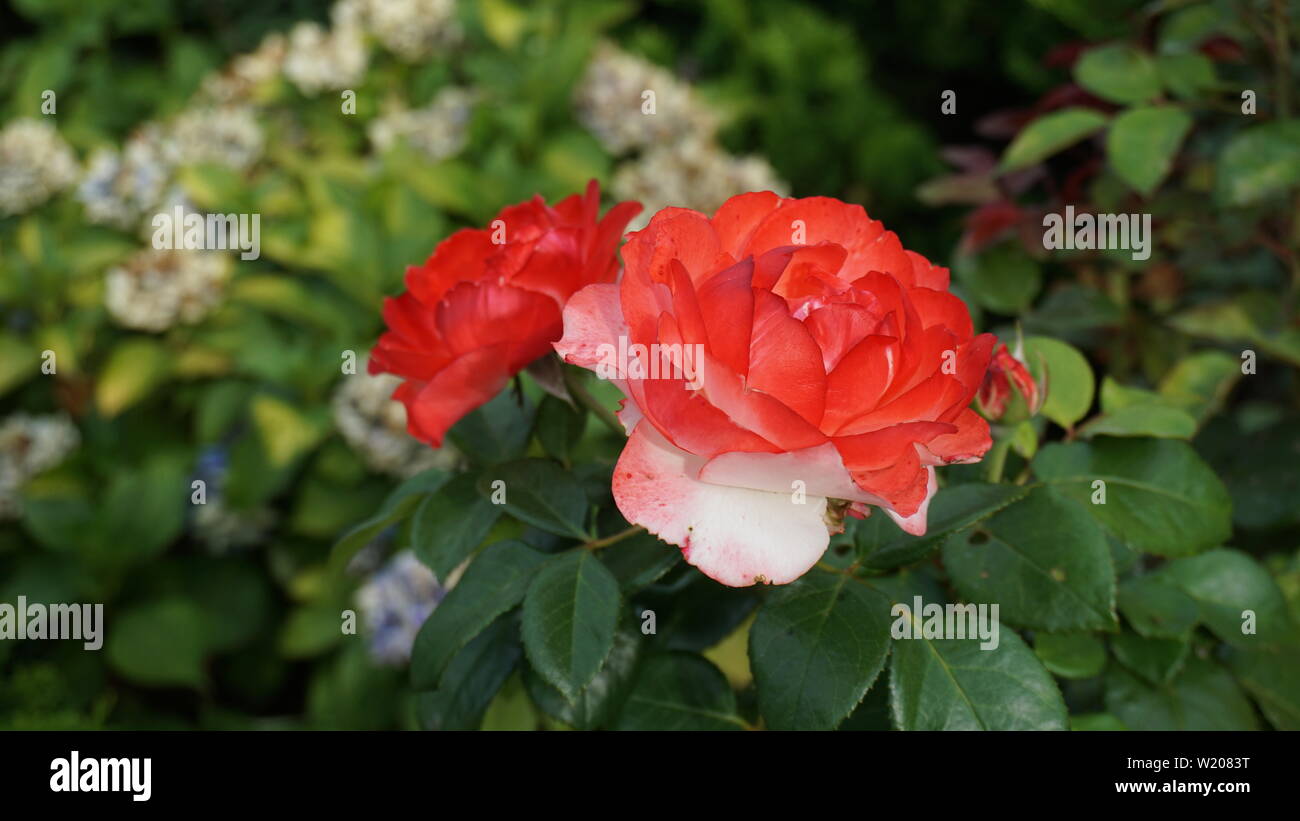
(574,382)
(617,537)
(997,458)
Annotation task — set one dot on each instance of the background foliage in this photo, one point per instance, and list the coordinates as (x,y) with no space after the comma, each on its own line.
(1126,614)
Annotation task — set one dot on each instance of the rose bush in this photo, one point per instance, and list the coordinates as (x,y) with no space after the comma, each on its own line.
(838,367)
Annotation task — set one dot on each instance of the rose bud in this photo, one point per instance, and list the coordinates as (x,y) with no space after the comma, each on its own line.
(488,302)
(825,369)
(1004,371)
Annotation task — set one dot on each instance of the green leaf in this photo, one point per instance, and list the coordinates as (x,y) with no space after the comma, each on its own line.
(1271,674)
(472,679)
(541,493)
(1188,75)
(816,646)
(1199,383)
(1093,722)
(952,510)
(1071,655)
(559,427)
(134,368)
(494,582)
(570,614)
(450,523)
(1202,697)
(1069,379)
(1258,163)
(1119,73)
(1226,584)
(1003,279)
(401,503)
(18,360)
(1049,134)
(1044,560)
(1158,420)
(1156,660)
(1142,143)
(953,684)
(159,643)
(679,691)
(640,560)
(600,700)
(1159,496)
(496,431)
(1156,608)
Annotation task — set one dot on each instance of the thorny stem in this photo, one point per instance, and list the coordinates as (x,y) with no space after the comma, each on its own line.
(617,537)
(573,381)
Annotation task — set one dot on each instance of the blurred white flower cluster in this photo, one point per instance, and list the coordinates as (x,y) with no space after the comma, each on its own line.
(154,290)
(394,603)
(680,161)
(437,130)
(321,59)
(35,164)
(120,188)
(247,73)
(30,445)
(412,29)
(226,135)
(374,425)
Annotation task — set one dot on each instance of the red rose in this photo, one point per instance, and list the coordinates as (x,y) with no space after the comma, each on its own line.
(829,364)
(488,302)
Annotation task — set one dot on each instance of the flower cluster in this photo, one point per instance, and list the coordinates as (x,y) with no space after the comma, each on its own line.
(374,425)
(394,602)
(30,445)
(154,290)
(35,163)
(437,130)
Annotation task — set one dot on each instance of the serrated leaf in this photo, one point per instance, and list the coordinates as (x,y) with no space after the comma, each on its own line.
(450,523)
(600,700)
(1202,697)
(1155,660)
(472,679)
(816,646)
(953,684)
(570,614)
(952,510)
(400,503)
(679,691)
(1159,496)
(542,494)
(494,582)
(1044,560)
(1156,608)
(1226,584)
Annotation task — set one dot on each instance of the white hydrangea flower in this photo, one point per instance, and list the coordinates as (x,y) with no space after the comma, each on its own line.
(156,289)
(222,530)
(374,425)
(394,603)
(612,92)
(247,72)
(227,135)
(437,130)
(692,173)
(30,445)
(412,29)
(119,188)
(35,164)
(327,60)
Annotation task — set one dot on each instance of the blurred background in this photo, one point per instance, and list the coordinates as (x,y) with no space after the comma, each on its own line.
(365,131)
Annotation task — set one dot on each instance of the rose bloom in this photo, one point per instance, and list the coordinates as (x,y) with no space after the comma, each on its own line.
(836,373)
(488,302)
